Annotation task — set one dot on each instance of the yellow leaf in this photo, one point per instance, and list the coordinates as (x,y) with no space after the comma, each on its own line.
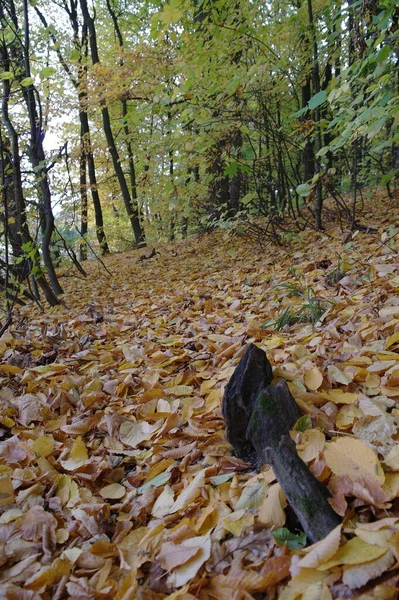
(11,515)
(271,511)
(172,556)
(354,552)
(198,550)
(339,376)
(237,521)
(207,385)
(252,495)
(190,493)
(133,434)
(346,416)
(321,551)
(311,444)
(274,342)
(313,378)
(163,503)
(359,575)
(392,458)
(392,340)
(180,390)
(12,369)
(78,456)
(376,538)
(44,445)
(353,458)
(67,490)
(317,591)
(6,487)
(300,583)
(340,397)
(61,535)
(114,491)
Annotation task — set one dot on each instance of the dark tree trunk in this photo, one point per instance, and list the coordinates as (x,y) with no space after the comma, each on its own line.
(37,158)
(83,201)
(80,86)
(130,157)
(98,213)
(22,234)
(130,209)
(316,118)
(308,151)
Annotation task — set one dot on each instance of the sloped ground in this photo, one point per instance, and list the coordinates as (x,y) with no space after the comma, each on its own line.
(116,481)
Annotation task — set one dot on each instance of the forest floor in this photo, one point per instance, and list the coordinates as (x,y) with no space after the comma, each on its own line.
(116,481)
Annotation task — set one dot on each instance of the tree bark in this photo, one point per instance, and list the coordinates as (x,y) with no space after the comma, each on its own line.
(80,86)
(130,157)
(258,419)
(25,245)
(130,209)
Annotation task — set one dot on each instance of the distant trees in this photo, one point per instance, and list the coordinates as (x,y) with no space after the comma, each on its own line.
(199,114)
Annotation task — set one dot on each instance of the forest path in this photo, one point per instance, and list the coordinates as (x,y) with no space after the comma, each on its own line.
(118,481)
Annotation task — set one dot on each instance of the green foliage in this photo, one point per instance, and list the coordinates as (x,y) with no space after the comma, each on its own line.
(285,536)
(310,310)
(216,116)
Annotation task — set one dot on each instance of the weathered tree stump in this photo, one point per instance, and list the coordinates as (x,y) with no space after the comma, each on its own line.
(258,419)
(253,374)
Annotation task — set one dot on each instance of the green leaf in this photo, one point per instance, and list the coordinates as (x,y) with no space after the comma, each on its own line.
(7,75)
(301,112)
(170,13)
(47,72)
(303,189)
(27,81)
(323,151)
(157,481)
(294,542)
(248,198)
(388,177)
(219,479)
(232,169)
(383,54)
(317,99)
(75,55)
(376,127)
(303,423)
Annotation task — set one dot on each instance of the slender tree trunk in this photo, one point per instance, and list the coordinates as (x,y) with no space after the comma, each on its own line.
(98,213)
(25,244)
(80,86)
(130,209)
(130,157)
(83,200)
(308,151)
(316,88)
(38,159)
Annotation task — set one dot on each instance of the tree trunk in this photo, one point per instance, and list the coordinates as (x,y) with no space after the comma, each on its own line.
(132,170)
(308,151)
(83,201)
(130,209)
(25,245)
(80,86)
(38,160)
(316,118)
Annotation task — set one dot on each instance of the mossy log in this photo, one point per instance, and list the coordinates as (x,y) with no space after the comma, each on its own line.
(258,420)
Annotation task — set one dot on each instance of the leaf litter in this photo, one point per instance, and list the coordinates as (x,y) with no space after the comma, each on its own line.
(116,481)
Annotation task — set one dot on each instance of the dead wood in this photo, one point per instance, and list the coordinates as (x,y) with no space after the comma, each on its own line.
(258,419)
